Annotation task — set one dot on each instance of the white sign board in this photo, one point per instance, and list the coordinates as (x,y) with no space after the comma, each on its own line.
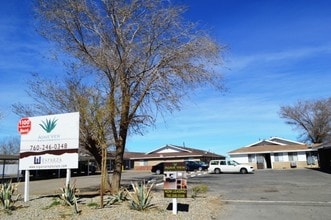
(49,142)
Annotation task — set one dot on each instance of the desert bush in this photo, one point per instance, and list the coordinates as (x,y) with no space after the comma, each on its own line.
(55,202)
(199,189)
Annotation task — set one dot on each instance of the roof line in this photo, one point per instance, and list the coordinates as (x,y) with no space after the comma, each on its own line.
(274,142)
(276,151)
(169,145)
(284,139)
(171,156)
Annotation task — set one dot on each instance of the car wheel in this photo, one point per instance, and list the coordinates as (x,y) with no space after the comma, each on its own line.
(200,168)
(243,171)
(217,171)
(158,172)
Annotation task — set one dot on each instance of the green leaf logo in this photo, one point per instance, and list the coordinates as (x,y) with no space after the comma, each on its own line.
(48,125)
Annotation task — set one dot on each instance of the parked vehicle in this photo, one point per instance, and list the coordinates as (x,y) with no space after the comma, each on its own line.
(203,164)
(228,166)
(190,166)
(158,168)
(195,165)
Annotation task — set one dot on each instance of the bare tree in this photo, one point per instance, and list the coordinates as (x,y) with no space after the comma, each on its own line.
(70,94)
(311,117)
(145,52)
(10,146)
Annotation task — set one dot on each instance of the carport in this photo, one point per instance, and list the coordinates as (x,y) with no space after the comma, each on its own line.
(324,155)
(9,167)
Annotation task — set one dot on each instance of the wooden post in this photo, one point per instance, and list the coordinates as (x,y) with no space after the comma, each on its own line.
(103,173)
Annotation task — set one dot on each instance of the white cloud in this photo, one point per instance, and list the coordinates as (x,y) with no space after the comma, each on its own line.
(244,61)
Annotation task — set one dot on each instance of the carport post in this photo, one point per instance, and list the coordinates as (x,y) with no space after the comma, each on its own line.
(26,185)
(174,206)
(3,169)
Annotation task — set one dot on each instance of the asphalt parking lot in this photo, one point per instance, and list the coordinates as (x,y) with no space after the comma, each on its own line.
(272,194)
(266,194)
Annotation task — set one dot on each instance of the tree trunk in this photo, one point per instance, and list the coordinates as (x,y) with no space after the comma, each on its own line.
(105,184)
(117,174)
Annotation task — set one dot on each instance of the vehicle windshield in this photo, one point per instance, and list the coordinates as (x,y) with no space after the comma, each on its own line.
(233,162)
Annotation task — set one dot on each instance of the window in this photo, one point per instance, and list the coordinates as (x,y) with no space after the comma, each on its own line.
(260,159)
(143,162)
(278,157)
(214,162)
(223,162)
(293,156)
(251,158)
(312,158)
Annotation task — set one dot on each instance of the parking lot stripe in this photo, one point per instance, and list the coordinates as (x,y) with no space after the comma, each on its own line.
(280,202)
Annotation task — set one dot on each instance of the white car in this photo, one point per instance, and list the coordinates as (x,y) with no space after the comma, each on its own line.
(228,166)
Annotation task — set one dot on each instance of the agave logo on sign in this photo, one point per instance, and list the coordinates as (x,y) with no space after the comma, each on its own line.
(48,125)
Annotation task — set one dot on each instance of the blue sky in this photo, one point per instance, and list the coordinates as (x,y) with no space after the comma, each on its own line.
(278,52)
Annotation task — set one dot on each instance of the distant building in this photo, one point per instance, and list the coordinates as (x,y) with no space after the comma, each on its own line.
(277,153)
(171,153)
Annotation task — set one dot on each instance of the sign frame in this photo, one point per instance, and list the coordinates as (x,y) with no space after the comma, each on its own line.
(49,142)
(175,180)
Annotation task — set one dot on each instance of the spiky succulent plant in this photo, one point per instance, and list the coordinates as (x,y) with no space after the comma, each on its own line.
(140,198)
(7,191)
(68,195)
(119,197)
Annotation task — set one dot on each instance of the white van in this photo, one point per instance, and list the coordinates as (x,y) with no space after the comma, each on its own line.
(228,166)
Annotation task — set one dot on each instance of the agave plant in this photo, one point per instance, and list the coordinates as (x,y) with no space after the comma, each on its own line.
(48,125)
(7,199)
(68,195)
(140,198)
(121,196)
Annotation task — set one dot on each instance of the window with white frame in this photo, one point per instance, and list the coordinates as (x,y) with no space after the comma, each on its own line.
(143,162)
(278,157)
(251,158)
(293,156)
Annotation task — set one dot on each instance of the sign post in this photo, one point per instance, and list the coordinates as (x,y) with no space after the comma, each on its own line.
(68,176)
(26,185)
(48,142)
(175,182)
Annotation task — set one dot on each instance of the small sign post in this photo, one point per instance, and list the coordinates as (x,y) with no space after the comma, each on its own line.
(175,182)
(26,186)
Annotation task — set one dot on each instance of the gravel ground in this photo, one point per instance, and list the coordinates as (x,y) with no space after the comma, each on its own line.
(202,207)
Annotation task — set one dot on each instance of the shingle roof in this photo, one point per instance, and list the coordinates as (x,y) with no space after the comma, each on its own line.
(275,141)
(127,155)
(274,149)
(181,152)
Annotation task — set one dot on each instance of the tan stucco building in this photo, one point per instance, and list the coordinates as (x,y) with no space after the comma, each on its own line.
(277,153)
